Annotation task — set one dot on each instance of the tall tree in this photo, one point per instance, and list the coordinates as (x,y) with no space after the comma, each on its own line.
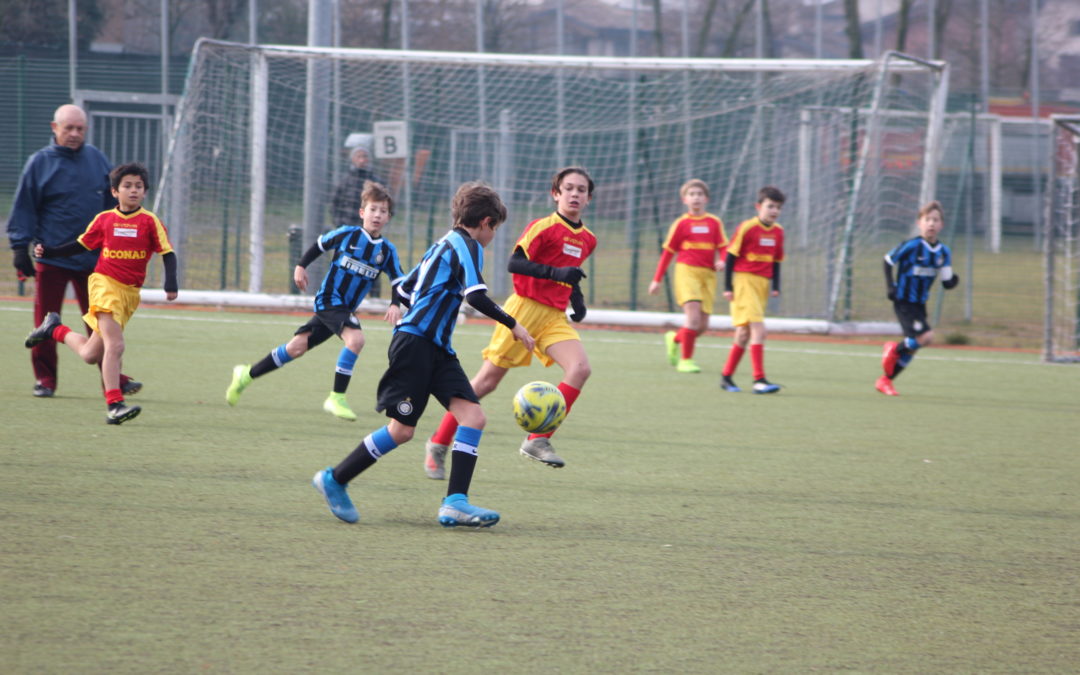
(902,24)
(44,23)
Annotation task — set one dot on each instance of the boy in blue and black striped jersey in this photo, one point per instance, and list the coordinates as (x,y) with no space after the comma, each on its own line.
(918,262)
(360,255)
(423,363)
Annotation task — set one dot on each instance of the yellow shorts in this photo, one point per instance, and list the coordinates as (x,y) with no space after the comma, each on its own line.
(695,283)
(111,296)
(546,324)
(751,296)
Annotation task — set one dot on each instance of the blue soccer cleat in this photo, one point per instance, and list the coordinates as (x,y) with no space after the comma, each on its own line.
(456,510)
(336,496)
(763,386)
(728,384)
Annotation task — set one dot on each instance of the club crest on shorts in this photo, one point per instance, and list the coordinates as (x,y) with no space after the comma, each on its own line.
(405,407)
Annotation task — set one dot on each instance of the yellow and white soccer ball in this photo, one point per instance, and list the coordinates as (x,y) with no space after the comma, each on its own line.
(539,407)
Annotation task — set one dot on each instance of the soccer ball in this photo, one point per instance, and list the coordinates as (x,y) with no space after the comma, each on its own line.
(539,407)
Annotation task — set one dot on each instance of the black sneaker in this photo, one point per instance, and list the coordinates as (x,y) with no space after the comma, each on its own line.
(41,391)
(121,412)
(131,387)
(728,384)
(44,331)
(763,386)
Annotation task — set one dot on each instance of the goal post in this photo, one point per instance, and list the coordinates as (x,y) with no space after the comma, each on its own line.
(1061,244)
(852,143)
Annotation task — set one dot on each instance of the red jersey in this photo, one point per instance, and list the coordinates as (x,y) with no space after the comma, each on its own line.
(757,246)
(696,239)
(552,241)
(126,240)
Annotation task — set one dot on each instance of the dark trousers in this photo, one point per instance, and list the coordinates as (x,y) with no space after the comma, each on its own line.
(50,283)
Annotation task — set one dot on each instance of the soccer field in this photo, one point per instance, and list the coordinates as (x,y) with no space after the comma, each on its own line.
(825,528)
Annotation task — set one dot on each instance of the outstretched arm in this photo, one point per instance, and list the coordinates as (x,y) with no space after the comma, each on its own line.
(520,264)
(485,305)
(64,250)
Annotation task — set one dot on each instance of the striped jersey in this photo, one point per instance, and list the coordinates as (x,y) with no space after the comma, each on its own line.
(126,240)
(757,246)
(358,260)
(917,264)
(696,239)
(449,271)
(554,241)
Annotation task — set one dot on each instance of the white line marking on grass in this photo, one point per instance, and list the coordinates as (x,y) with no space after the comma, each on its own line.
(636,339)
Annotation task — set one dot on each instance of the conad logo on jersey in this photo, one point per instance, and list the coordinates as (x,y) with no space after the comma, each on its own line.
(123,255)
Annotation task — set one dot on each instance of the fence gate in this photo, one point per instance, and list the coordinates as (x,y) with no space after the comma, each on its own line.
(130,127)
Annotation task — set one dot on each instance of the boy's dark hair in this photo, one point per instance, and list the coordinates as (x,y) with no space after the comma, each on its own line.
(556,182)
(770,192)
(130,169)
(475,201)
(376,192)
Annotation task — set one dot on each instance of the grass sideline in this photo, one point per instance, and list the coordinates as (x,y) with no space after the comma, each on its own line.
(826,528)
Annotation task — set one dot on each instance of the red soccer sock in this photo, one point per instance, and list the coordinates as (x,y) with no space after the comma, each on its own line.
(686,338)
(60,332)
(444,435)
(570,394)
(113,396)
(734,356)
(757,360)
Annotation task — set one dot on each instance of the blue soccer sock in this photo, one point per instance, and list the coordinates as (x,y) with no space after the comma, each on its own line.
(909,345)
(277,357)
(463,459)
(344,369)
(374,446)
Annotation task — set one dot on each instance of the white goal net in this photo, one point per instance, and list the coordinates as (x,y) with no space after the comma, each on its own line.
(1062,244)
(258,150)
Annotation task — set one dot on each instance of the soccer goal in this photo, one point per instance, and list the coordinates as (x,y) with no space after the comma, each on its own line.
(1061,244)
(257,151)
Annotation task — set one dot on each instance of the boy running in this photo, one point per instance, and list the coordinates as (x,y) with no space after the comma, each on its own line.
(918,262)
(546,268)
(360,254)
(698,239)
(753,263)
(423,364)
(127,236)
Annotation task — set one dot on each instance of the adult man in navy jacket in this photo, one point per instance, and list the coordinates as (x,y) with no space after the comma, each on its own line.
(62,187)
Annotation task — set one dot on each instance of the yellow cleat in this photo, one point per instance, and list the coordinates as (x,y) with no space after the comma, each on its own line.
(241,378)
(672,347)
(687,366)
(336,405)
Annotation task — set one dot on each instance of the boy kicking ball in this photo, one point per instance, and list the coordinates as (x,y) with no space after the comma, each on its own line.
(423,364)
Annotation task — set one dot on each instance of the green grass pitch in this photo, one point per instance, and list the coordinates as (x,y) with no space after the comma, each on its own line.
(823,529)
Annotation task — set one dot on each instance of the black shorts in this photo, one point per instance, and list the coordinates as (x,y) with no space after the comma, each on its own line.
(328,322)
(912,317)
(418,369)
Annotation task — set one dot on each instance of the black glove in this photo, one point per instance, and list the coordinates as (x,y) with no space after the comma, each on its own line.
(577,303)
(951,283)
(891,293)
(23,262)
(567,275)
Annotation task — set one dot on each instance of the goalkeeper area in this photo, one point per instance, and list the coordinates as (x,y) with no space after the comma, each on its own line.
(257,151)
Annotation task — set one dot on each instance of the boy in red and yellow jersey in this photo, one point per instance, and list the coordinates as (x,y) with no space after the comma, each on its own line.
(698,239)
(546,269)
(753,259)
(127,236)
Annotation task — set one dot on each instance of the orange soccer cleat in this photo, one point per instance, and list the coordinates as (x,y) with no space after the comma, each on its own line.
(884,385)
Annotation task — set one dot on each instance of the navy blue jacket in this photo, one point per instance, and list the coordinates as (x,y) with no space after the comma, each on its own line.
(59,193)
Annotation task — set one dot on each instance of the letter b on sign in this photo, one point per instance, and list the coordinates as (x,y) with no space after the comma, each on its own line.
(391,139)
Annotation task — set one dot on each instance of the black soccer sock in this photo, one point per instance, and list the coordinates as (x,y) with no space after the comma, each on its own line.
(271,362)
(462,465)
(358,461)
(375,445)
(341,382)
(896,371)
